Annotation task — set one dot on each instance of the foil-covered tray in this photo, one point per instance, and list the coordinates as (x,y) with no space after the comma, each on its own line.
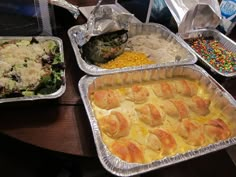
(134,29)
(86,10)
(88,84)
(227,43)
(60,89)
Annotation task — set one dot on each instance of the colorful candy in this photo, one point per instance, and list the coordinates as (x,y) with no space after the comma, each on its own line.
(214,53)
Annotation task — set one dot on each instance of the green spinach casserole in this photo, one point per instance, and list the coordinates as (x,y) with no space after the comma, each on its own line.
(30,67)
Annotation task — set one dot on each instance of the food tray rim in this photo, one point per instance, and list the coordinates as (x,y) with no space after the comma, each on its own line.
(53,95)
(216,32)
(84,66)
(135,169)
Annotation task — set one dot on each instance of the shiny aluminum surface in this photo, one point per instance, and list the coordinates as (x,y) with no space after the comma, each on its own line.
(224,40)
(134,29)
(190,15)
(118,167)
(54,95)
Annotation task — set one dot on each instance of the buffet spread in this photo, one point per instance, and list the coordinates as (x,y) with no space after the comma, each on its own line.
(148,103)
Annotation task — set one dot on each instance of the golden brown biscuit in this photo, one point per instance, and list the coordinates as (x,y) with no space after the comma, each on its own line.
(164,90)
(186,88)
(115,125)
(192,132)
(175,108)
(200,105)
(128,150)
(161,140)
(138,94)
(217,129)
(150,115)
(106,99)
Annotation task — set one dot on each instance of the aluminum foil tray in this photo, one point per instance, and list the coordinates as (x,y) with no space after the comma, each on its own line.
(134,29)
(116,166)
(224,40)
(53,95)
(86,10)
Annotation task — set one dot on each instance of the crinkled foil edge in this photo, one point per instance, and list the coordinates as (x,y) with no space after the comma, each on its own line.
(121,168)
(135,28)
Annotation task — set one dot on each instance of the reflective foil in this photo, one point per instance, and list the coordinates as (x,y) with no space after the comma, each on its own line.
(198,14)
(215,34)
(70,7)
(118,167)
(103,19)
(75,34)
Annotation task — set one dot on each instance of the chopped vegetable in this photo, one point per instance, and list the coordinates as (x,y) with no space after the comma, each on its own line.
(101,49)
(30,67)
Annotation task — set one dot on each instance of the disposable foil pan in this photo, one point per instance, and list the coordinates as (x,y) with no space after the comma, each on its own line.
(134,29)
(121,168)
(86,10)
(53,95)
(224,40)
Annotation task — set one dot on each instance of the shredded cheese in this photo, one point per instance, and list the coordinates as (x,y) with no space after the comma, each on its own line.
(21,60)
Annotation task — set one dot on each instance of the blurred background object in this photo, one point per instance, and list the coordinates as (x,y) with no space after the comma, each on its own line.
(31,17)
(25,18)
(228,12)
(162,15)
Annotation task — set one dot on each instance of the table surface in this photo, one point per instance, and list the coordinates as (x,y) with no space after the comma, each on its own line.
(62,124)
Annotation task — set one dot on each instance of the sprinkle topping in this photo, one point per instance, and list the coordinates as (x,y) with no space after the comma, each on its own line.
(214,53)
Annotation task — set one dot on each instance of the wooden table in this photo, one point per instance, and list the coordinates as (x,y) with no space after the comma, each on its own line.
(62,125)
(59,125)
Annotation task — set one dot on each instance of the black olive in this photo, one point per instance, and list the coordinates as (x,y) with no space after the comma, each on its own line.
(34,40)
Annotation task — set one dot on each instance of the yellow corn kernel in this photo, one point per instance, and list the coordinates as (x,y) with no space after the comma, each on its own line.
(127,59)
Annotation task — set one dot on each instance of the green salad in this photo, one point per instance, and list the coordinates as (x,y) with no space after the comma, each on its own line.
(30,67)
